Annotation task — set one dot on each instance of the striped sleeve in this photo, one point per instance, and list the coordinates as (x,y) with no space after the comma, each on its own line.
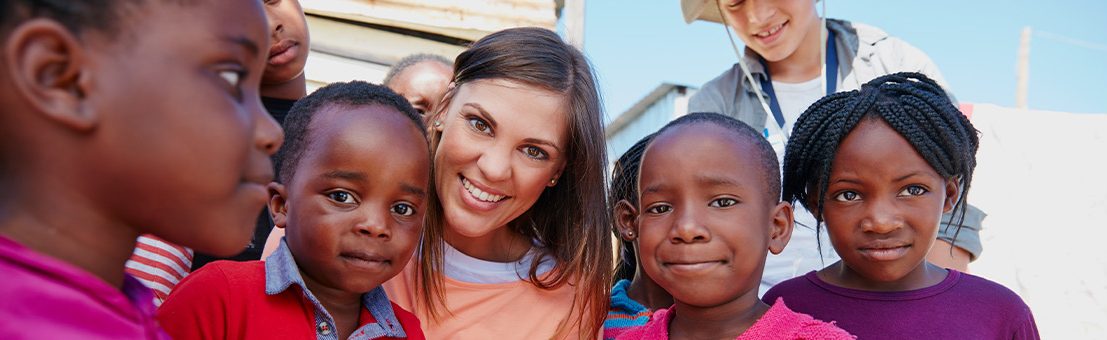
(159,265)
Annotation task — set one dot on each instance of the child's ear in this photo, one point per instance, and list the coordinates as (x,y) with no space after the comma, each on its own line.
(49,69)
(783,223)
(626,220)
(953,194)
(278,209)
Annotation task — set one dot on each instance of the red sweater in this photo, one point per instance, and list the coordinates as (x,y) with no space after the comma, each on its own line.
(227,300)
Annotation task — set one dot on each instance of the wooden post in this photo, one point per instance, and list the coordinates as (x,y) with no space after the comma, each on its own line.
(574,23)
(1022,75)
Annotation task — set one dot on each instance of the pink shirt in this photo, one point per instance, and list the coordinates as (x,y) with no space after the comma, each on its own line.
(45,298)
(779,322)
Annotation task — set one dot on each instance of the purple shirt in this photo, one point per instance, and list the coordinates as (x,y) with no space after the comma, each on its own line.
(962,306)
(45,298)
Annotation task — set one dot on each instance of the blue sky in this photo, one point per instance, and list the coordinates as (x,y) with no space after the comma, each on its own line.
(636,45)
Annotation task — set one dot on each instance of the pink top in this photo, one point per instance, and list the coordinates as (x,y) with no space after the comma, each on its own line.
(779,322)
(45,298)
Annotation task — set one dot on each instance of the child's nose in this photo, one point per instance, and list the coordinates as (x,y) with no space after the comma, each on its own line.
(759,11)
(275,25)
(688,229)
(268,135)
(882,218)
(374,227)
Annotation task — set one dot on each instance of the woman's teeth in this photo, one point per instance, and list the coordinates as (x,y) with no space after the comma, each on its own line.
(481,195)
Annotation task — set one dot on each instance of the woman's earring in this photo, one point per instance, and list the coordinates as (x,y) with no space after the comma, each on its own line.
(553,181)
(438,123)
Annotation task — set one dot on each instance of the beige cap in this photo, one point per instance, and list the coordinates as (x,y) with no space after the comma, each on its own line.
(706,10)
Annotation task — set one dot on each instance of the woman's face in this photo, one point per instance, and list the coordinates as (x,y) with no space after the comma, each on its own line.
(502,142)
(774,29)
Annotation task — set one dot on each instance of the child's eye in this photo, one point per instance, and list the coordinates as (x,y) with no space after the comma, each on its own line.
(913,190)
(723,202)
(403,209)
(341,197)
(847,196)
(734,3)
(232,77)
(480,125)
(659,209)
(535,152)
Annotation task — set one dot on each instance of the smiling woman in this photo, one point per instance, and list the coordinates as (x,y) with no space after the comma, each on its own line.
(516,240)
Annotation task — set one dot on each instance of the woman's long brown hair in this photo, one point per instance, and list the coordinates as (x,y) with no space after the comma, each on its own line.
(569,219)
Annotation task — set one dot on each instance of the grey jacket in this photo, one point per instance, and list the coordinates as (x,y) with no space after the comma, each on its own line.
(871,52)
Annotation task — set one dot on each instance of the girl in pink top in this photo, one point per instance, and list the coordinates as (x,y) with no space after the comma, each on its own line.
(704,229)
(516,243)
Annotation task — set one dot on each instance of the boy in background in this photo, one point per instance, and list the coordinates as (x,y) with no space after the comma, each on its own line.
(160,265)
(422,79)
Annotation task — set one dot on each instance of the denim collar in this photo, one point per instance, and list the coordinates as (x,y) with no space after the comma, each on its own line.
(281,272)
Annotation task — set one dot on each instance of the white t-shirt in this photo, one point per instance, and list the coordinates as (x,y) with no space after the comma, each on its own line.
(795,98)
(465,268)
(801,255)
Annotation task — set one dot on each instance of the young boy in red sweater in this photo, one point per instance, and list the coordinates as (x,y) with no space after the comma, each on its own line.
(351,192)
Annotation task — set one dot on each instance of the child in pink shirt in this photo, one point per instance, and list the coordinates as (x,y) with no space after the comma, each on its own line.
(704,229)
(122,119)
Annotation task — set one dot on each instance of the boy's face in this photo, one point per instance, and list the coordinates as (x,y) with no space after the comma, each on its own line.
(289,39)
(182,150)
(883,204)
(705,225)
(423,85)
(353,210)
(772,28)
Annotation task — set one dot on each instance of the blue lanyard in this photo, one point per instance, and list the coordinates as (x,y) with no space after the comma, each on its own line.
(831,78)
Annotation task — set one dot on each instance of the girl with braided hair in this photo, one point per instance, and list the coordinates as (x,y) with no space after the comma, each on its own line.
(879,166)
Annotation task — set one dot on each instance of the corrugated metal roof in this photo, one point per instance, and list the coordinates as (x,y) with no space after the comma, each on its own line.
(640,107)
(463,19)
(356,41)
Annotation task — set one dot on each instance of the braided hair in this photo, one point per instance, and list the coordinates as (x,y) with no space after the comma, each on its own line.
(624,186)
(912,104)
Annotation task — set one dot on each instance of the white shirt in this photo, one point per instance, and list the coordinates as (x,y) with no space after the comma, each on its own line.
(465,268)
(801,255)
